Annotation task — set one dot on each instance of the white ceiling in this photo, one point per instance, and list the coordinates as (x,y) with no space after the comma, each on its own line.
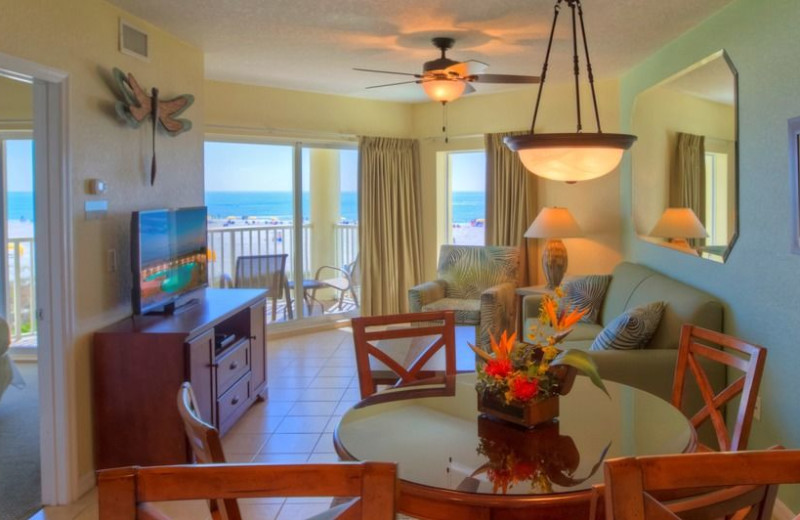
(313,45)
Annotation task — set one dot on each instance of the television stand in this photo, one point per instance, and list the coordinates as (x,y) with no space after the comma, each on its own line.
(139,363)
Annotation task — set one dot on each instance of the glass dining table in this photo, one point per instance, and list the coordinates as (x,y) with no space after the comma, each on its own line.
(455,463)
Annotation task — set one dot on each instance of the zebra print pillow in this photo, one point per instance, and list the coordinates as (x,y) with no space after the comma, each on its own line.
(630,330)
(587,293)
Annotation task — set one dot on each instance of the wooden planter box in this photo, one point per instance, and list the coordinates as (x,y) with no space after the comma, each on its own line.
(525,414)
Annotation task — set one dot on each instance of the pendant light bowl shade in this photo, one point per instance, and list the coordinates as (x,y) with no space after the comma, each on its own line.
(444,90)
(570,157)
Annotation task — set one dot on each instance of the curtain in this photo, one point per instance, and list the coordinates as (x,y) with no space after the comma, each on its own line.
(511,202)
(688,186)
(390,237)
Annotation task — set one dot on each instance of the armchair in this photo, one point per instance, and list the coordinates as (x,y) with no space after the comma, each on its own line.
(477,283)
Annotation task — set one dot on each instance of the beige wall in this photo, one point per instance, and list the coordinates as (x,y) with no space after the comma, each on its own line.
(80,38)
(16,105)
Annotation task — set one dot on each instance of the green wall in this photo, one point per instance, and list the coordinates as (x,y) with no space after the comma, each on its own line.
(760,283)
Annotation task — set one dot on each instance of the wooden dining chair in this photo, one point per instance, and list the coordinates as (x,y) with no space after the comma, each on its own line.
(698,343)
(402,348)
(131,493)
(206,446)
(730,484)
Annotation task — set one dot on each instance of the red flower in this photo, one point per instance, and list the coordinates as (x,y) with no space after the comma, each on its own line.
(499,368)
(522,389)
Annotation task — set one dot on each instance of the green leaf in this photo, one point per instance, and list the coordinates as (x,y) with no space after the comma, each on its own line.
(581,361)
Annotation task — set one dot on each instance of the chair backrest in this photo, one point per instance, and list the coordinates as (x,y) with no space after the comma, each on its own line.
(206,446)
(401,348)
(129,493)
(470,270)
(698,485)
(262,271)
(697,343)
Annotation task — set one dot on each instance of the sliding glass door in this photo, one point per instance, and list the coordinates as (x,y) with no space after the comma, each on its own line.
(284,217)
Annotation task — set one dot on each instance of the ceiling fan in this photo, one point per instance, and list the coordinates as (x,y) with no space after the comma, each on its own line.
(446,80)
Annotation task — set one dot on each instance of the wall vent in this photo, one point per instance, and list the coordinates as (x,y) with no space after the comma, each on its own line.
(133,41)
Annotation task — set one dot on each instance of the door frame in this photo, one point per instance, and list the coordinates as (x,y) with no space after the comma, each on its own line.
(55,280)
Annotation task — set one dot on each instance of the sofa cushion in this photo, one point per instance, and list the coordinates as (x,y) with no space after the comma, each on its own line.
(467,312)
(632,329)
(587,293)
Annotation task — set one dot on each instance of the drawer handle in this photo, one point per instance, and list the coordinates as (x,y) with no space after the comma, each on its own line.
(253,338)
(234,365)
(235,400)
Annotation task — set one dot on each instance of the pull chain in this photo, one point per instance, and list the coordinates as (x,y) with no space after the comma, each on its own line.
(444,121)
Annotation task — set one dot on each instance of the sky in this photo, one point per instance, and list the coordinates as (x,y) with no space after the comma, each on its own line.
(264,167)
(468,170)
(19,162)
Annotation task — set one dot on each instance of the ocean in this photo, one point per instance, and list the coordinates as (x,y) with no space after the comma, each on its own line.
(20,206)
(467,205)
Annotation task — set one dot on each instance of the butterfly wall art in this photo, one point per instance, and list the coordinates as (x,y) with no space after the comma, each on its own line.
(137,106)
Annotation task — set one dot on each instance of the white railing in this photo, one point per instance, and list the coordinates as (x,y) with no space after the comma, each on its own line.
(346,243)
(21,296)
(226,244)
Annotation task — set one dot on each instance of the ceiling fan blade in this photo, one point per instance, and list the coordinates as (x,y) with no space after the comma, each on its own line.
(389,72)
(475,67)
(468,89)
(504,78)
(393,84)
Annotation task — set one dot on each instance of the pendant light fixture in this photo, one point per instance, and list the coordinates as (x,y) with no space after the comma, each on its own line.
(570,157)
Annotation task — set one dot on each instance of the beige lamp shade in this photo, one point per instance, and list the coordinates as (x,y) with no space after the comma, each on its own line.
(444,90)
(678,223)
(554,223)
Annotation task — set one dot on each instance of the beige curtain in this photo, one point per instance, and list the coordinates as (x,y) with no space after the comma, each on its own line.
(390,238)
(511,202)
(688,185)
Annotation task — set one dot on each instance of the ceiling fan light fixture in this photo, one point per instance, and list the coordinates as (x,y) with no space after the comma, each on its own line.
(444,90)
(570,157)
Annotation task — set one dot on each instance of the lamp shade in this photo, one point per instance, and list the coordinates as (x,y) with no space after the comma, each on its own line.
(444,90)
(570,157)
(678,223)
(554,223)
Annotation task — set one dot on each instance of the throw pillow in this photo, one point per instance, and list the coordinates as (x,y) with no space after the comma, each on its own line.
(587,293)
(632,329)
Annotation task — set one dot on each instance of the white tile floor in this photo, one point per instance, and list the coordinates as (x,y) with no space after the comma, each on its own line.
(312,382)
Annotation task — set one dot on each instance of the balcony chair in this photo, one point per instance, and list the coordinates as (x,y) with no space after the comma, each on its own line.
(402,348)
(9,374)
(344,279)
(222,483)
(478,283)
(697,344)
(697,485)
(265,272)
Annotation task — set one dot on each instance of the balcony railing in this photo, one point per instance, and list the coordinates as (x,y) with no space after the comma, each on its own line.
(346,243)
(226,244)
(21,296)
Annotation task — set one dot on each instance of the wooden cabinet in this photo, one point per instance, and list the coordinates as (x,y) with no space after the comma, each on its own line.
(219,345)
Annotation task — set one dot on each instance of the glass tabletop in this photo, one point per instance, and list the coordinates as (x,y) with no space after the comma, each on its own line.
(439,439)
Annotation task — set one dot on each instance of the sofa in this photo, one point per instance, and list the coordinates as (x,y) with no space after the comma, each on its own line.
(478,283)
(650,368)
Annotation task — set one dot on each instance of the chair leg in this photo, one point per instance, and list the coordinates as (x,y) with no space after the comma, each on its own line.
(274,308)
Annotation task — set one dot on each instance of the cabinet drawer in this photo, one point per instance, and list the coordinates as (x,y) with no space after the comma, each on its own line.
(235,398)
(232,365)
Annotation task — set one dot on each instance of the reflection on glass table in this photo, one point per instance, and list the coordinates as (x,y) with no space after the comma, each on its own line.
(450,458)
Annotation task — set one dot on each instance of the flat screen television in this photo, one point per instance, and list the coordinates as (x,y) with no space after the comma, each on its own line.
(168,257)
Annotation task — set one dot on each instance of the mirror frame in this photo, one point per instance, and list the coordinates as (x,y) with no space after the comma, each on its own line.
(721,258)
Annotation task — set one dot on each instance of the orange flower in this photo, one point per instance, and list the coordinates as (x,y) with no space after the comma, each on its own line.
(522,389)
(503,348)
(560,320)
(498,368)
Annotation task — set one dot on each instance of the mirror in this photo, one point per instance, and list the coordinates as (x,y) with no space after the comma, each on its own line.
(686,157)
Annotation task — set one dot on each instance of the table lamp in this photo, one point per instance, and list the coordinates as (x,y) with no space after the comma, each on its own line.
(678,224)
(554,224)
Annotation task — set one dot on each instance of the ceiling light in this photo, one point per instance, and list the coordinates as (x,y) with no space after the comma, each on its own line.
(444,90)
(570,157)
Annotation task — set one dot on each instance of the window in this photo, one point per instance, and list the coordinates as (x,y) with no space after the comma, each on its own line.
(466,198)
(716,217)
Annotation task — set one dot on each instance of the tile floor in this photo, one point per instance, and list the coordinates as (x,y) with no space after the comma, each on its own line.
(312,382)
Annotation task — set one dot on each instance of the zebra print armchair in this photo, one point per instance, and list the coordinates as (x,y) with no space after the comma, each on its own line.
(478,283)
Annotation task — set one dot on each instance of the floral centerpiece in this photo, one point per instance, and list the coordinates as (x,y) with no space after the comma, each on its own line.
(521,382)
